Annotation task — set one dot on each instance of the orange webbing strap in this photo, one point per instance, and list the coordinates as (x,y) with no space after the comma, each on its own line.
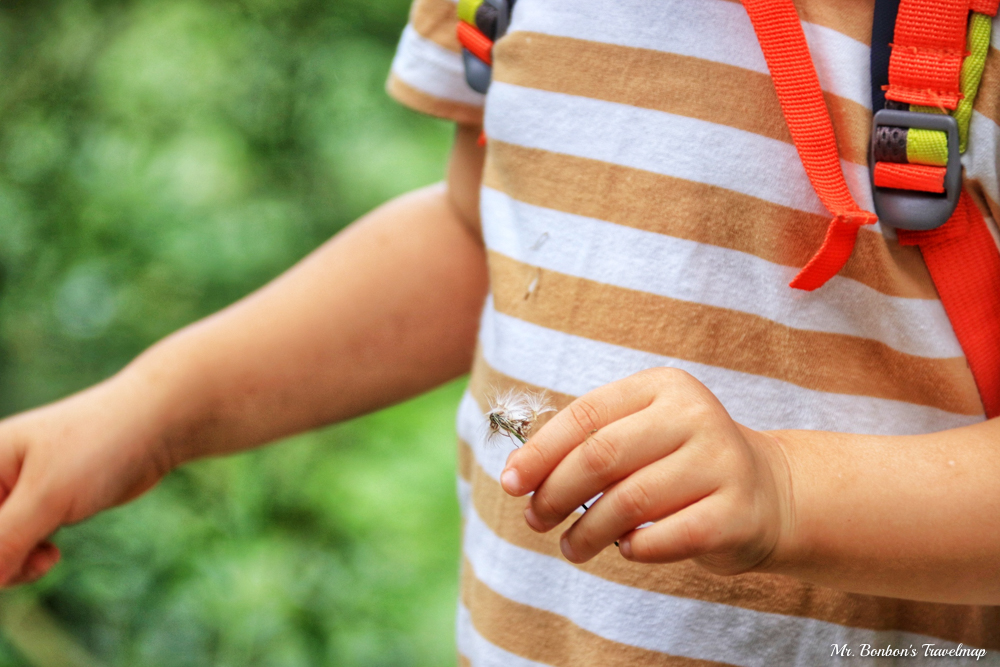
(961,255)
(918,177)
(787,54)
(964,263)
(476,42)
(927,52)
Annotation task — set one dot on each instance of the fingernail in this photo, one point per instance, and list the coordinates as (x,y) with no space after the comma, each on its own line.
(625,547)
(567,550)
(529,516)
(511,482)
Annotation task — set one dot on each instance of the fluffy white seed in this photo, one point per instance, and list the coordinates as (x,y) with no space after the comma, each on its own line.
(513,413)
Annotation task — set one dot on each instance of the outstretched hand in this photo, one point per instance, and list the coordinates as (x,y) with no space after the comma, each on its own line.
(65,462)
(662,449)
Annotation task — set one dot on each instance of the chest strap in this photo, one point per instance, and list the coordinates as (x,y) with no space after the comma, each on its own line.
(930,73)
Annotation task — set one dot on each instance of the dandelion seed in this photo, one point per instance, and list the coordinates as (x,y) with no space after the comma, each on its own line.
(513,413)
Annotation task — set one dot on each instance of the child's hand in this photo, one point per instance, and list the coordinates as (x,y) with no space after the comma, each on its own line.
(65,462)
(663,449)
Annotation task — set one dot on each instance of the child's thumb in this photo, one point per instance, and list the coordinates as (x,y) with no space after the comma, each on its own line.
(26,520)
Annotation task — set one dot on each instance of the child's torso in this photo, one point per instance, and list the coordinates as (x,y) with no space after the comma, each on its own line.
(643,205)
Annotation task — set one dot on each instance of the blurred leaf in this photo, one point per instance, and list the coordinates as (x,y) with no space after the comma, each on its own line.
(37,635)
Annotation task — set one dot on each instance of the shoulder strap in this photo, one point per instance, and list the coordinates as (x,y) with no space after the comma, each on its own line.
(928,72)
(964,264)
(961,255)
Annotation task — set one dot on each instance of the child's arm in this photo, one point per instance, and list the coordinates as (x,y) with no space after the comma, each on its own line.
(906,516)
(387,309)
(912,516)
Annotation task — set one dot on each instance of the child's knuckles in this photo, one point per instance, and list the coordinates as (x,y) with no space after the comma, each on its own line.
(12,557)
(534,462)
(644,548)
(30,577)
(548,511)
(13,581)
(544,456)
(692,536)
(587,415)
(586,543)
(670,381)
(40,562)
(29,573)
(701,410)
(631,502)
(666,374)
(600,459)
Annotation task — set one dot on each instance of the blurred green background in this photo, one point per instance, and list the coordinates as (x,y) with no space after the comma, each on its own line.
(158,160)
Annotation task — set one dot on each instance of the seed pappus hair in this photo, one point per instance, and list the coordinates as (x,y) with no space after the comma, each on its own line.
(513,413)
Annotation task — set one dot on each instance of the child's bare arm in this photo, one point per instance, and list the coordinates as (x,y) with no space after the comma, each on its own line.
(913,517)
(905,516)
(387,309)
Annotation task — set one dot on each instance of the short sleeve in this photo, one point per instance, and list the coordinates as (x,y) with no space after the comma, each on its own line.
(427,72)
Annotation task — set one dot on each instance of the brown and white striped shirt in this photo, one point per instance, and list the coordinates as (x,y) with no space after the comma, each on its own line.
(643,205)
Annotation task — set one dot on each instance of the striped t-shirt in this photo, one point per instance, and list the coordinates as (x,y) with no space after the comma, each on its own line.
(643,205)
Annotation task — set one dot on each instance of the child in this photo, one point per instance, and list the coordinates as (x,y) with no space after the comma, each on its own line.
(816,467)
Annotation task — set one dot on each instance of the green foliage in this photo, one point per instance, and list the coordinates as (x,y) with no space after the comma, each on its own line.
(336,548)
(158,160)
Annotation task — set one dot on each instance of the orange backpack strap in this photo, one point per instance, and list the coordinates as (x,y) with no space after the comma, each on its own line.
(964,264)
(787,54)
(961,255)
(925,70)
(927,52)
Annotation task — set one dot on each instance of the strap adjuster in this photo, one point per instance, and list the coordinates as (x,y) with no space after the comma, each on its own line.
(910,209)
(477,58)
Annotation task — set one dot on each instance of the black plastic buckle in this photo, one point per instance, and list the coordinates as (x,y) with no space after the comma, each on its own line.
(477,73)
(908,209)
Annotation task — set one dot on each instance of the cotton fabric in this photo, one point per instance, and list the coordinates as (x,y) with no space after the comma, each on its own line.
(643,205)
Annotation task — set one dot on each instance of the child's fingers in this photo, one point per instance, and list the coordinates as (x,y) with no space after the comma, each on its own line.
(608,456)
(693,531)
(654,492)
(38,563)
(27,518)
(11,458)
(530,464)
